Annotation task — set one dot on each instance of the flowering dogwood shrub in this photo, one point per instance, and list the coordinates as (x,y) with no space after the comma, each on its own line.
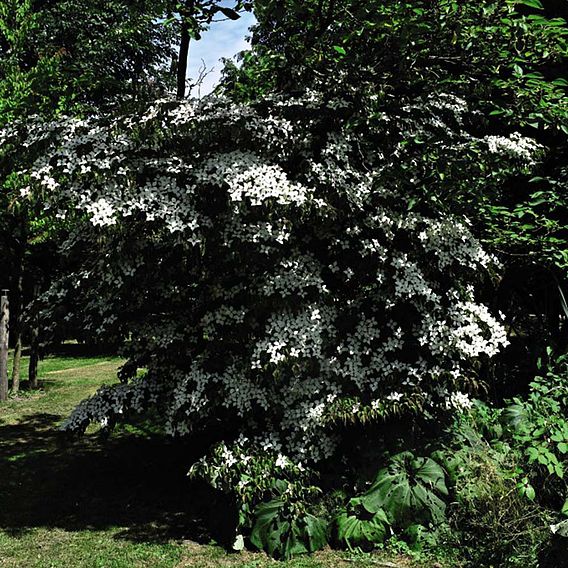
(275,267)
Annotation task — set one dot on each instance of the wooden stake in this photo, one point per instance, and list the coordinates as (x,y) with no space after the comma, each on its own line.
(4,320)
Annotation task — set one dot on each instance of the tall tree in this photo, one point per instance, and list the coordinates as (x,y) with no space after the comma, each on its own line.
(193,17)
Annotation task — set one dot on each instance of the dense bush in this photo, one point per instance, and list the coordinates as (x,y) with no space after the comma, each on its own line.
(506,467)
(273,267)
(286,271)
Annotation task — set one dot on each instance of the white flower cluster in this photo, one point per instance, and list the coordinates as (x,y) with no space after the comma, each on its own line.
(451,242)
(293,276)
(292,335)
(469,330)
(101,212)
(249,177)
(516,146)
(458,401)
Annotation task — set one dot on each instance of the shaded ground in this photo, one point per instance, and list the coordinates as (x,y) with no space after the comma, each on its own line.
(48,480)
(120,503)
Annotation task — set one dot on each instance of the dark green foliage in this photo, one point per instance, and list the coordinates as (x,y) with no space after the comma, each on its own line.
(64,57)
(359,527)
(410,488)
(283,533)
(538,428)
(506,468)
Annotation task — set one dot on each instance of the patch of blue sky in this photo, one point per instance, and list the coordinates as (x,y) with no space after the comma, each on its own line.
(224,39)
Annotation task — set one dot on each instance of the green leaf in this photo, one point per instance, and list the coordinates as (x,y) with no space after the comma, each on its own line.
(431,473)
(537,4)
(543,459)
(293,545)
(340,50)
(263,535)
(353,531)
(316,531)
(530,492)
(283,538)
(409,486)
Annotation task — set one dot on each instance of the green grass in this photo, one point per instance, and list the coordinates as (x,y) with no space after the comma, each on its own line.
(119,503)
(63,382)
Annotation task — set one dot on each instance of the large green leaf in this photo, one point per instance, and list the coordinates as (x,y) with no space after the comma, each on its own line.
(354,531)
(532,3)
(266,535)
(409,485)
(283,538)
(293,544)
(316,531)
(431,474)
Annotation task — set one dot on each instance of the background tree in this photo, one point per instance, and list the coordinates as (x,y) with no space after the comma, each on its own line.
(56,60)
(194,16)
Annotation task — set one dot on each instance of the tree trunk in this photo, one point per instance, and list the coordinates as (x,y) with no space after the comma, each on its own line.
(17,327)
(34,349)
(183,57)
(4,318)
(21,239)
(17,362)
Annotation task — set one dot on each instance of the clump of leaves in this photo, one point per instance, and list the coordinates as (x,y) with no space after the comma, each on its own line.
(410,488)
(494,522)
(285,529)
(539,429)
(361,525)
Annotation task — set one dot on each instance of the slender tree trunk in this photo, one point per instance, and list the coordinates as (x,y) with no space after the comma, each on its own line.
(34,359)
(4,319)
(34,348)
(17,324)
(18,304)
(183,57)
(16,363)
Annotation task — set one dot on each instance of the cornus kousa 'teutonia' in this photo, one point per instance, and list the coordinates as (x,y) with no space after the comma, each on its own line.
(273,266)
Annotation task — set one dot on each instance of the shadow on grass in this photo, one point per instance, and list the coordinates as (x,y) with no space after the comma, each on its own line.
(127,481)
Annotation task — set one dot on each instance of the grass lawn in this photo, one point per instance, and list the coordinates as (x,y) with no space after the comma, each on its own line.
(117,503)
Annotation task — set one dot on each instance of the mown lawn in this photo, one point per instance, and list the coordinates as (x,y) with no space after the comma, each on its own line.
(117,503)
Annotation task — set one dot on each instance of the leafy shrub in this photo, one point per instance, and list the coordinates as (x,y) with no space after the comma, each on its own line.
(538,427)
(506,497)
(361,525)
(409,489)
(255,481)
(286,531)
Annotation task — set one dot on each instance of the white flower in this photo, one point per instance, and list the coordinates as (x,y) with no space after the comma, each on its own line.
(281,461)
